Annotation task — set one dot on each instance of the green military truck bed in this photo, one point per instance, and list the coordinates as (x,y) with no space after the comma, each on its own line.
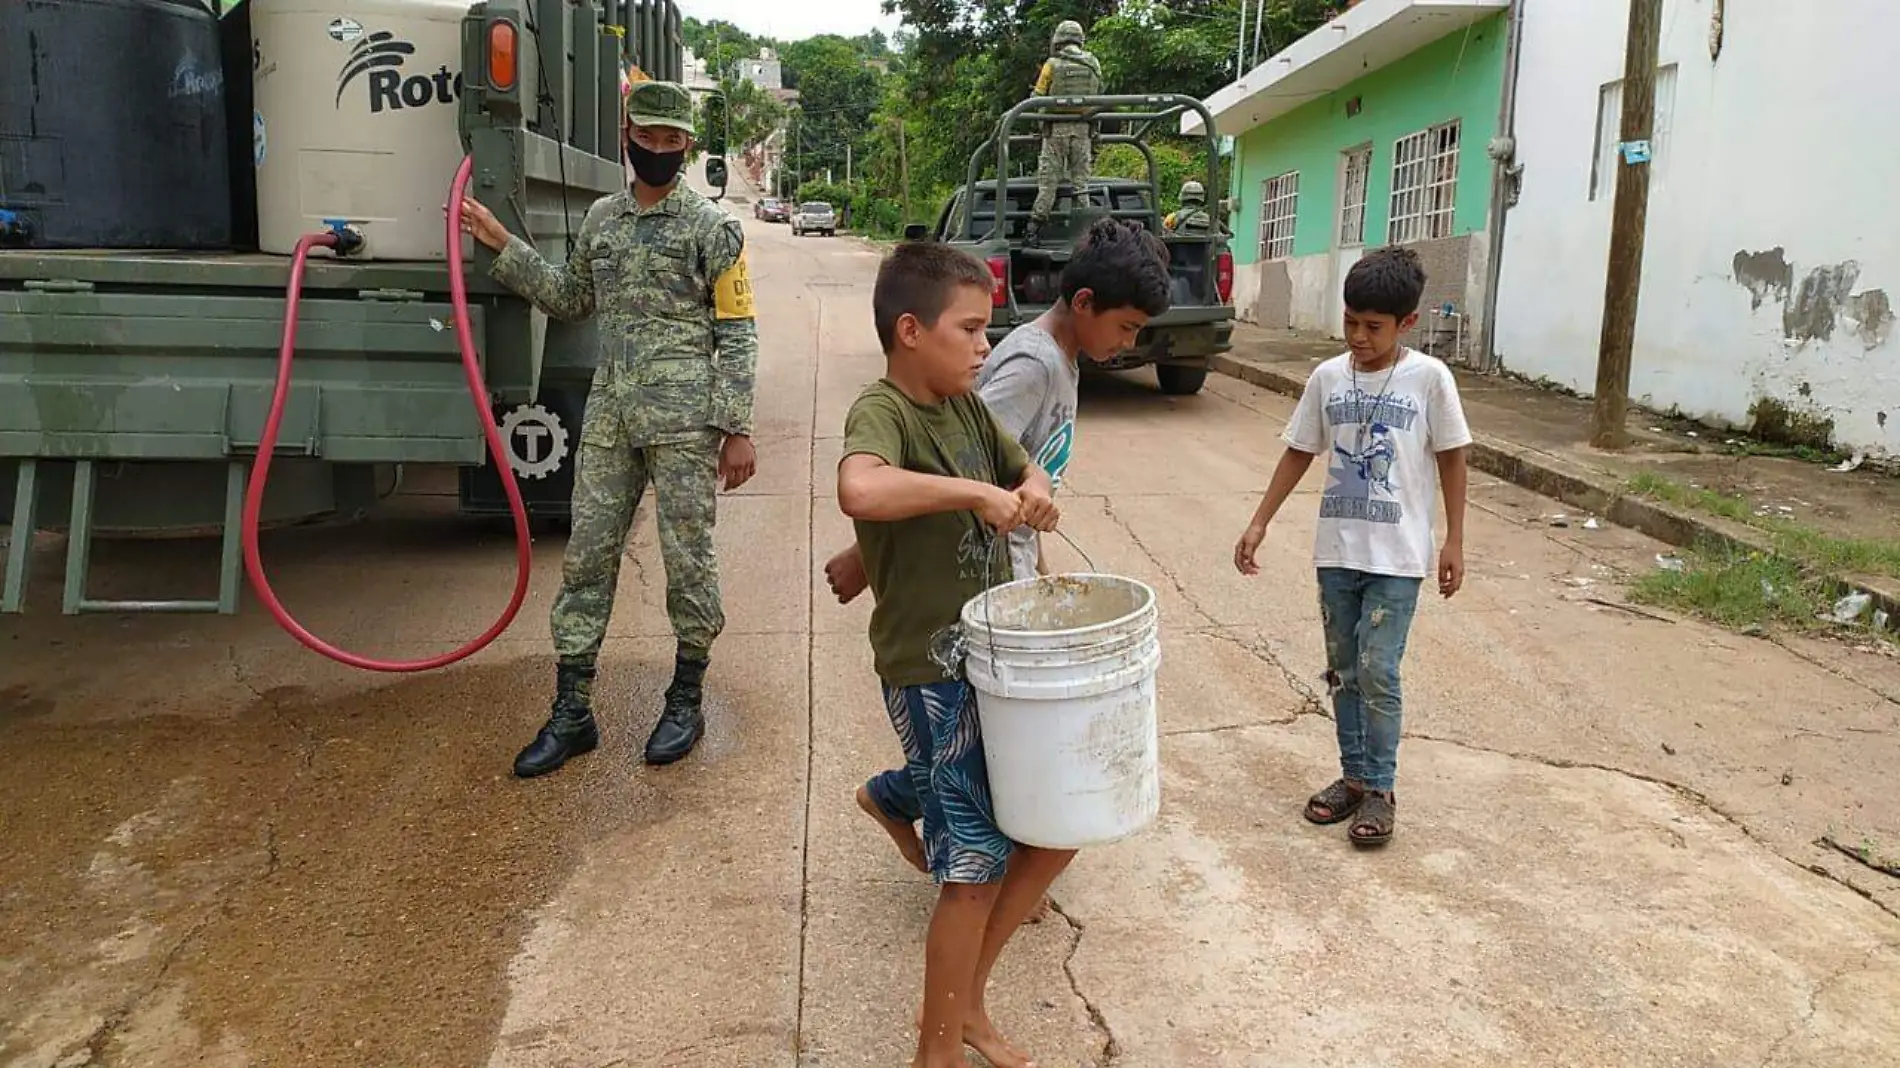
(134,385)
(1179,343)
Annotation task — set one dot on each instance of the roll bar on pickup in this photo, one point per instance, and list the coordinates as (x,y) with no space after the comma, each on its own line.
(1154,109)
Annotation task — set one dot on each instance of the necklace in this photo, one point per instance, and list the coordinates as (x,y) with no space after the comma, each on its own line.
(1365,421)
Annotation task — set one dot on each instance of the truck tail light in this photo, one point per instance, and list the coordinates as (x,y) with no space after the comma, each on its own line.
(1224,276)
(501,55)
(999,281)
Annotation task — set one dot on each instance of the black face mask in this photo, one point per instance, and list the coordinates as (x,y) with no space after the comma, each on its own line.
(657,169)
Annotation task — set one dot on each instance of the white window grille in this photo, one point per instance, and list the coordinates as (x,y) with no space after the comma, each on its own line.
(1424,185)
(1279,213)
(1355,178)
(1608,162)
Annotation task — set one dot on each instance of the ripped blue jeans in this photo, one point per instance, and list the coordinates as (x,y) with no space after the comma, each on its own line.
(1367,619)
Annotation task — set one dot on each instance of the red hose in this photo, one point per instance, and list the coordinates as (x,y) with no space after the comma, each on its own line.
(478,391)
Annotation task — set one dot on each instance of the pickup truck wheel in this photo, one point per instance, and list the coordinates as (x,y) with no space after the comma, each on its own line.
(1178,381)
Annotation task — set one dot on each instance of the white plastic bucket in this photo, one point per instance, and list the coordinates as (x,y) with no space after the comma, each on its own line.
(1065,690)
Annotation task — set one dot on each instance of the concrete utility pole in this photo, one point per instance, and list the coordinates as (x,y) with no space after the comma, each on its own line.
(1624,281)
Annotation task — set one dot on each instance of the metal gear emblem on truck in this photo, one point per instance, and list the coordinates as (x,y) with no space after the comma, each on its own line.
(537,442)
(144,298)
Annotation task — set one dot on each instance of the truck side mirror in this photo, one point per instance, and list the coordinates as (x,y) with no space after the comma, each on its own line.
(916,232)
(716,175)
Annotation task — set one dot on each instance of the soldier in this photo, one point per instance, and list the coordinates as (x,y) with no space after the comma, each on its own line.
(664,271)
(1192,220)
(1068,148)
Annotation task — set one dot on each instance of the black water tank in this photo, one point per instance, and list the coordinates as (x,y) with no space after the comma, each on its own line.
(112,125)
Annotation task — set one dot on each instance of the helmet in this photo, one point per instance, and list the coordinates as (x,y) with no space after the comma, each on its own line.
(1193,193)
(1068,31)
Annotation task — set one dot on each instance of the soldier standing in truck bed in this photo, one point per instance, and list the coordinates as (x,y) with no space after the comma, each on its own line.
(663,269)
(1192,220)
(1068,148)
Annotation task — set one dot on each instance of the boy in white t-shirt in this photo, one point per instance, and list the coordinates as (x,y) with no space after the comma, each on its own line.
(1387,419)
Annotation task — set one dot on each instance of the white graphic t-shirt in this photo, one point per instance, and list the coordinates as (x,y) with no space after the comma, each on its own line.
(1379,440)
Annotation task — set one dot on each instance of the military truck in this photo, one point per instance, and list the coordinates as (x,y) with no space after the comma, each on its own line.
(1178,344)
(138,354)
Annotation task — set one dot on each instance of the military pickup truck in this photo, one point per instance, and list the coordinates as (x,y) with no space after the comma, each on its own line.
(134,383)
(1178,344)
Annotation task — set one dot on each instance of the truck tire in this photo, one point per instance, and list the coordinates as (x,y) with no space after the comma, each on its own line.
(1179,381)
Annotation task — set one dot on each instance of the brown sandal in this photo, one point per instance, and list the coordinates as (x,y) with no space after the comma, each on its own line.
(1376,820)
(1340,801)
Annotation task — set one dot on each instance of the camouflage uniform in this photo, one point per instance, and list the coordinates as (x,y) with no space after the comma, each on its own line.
(1068,148)
(678,350)
(1192,220)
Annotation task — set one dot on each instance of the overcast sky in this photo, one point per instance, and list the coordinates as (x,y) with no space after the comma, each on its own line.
(791,20)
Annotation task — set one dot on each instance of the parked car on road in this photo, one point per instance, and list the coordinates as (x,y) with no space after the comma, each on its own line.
(816,216)
(771,209)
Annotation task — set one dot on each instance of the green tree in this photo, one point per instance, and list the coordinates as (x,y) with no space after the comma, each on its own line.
(720,44)
(755,112)
(838,92)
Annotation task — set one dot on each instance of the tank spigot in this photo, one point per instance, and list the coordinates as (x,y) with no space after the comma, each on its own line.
(349,240)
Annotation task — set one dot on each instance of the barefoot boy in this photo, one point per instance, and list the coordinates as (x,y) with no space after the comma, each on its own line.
(1116,281)
(933,485)
(1384,416)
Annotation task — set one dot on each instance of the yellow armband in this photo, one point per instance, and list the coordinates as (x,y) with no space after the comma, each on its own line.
(732,294)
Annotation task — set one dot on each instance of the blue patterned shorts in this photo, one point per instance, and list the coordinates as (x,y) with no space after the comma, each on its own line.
(943,754)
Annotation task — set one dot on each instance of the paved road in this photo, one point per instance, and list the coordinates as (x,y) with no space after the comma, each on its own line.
(221,850)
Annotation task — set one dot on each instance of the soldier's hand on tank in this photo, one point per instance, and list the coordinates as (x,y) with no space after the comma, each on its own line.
(481,223)
(1039,510)
(738,461)
(1001,509)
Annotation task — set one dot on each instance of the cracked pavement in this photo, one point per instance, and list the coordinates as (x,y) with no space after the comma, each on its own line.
(222,850)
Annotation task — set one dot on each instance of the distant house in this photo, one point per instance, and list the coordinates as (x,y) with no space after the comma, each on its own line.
(766,72)
(1371,130)
(698,75)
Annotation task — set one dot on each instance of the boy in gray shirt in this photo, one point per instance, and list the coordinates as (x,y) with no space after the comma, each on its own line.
(1116,281)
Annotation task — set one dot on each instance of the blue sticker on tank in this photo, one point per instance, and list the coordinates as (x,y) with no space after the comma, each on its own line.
(258,139)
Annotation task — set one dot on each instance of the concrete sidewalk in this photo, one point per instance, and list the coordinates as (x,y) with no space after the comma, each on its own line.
(1539,439)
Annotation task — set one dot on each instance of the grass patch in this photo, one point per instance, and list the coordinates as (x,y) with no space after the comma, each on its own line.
(1738,590)
(1806,546)
(1669,491)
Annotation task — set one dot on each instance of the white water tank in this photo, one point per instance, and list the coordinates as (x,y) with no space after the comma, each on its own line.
(356,120)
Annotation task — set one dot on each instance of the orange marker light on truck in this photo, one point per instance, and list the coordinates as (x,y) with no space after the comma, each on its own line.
(501,55)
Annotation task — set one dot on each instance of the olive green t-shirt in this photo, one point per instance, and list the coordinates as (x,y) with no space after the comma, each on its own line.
(923,570)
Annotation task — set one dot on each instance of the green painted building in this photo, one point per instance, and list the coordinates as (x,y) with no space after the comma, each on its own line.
(1372,130)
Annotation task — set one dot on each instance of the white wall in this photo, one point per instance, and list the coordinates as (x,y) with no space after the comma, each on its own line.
(1784,142)
(1247,292)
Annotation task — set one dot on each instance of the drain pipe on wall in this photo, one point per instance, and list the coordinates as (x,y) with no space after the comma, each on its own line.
(1506,176)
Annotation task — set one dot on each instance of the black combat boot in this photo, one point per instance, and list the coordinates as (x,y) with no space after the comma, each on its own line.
(682,723)
(570,730)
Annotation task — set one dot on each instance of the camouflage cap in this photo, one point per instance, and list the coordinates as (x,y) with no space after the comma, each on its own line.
(660,104)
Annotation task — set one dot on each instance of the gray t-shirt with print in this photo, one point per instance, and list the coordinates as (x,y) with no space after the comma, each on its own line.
(1031,386)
